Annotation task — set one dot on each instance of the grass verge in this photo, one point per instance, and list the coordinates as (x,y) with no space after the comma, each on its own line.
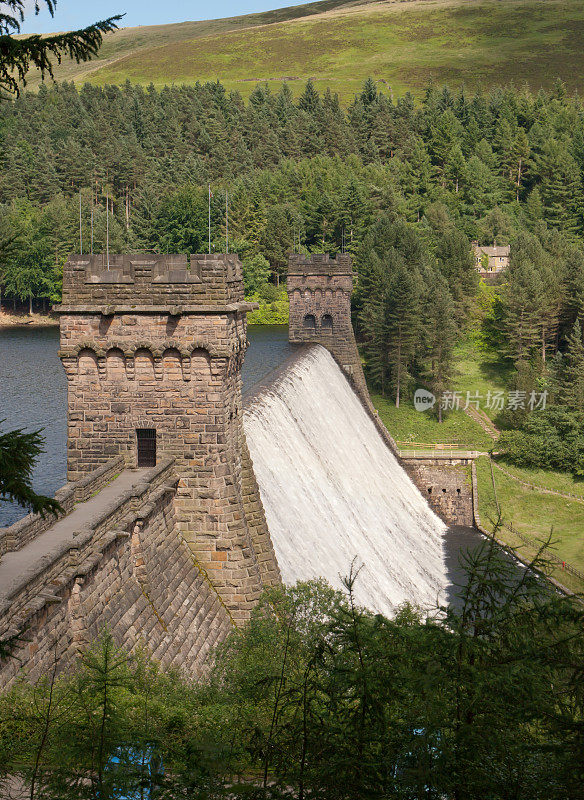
(535,515)
(408,425)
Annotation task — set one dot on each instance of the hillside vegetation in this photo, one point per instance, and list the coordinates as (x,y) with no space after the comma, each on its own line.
(402,44)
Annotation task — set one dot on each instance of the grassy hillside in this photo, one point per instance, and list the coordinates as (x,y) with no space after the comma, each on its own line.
(403,43)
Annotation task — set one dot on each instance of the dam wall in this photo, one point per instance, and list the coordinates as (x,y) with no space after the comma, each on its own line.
(333,491)
(319,290)
(182,503)
(128,570)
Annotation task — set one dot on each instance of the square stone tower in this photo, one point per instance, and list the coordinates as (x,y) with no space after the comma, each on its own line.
(319,289)
(152,346)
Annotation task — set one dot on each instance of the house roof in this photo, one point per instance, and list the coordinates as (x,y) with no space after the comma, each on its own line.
(496,251)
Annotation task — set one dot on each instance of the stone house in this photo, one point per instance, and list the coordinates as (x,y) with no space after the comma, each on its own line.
(491,260)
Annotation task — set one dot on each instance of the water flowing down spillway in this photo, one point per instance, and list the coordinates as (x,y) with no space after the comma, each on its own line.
(332,490)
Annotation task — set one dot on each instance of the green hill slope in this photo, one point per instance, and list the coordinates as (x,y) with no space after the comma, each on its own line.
(338,44)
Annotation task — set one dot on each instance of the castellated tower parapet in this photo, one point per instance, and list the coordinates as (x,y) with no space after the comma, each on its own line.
(153,346)
(319,289)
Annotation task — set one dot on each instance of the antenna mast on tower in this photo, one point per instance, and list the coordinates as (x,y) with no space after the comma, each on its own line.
(107,228)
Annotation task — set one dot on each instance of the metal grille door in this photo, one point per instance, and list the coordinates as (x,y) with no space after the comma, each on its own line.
(146,438)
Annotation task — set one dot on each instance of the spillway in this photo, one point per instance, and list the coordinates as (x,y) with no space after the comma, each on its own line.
(333,491)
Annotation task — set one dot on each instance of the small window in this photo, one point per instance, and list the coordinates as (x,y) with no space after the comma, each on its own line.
(327,322)
(310,322)
(146,438)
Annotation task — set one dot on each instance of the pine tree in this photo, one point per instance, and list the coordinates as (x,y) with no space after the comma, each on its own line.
(441,333)
(560,187)
(19,55)
(521,152)
(572,385)
(402,324)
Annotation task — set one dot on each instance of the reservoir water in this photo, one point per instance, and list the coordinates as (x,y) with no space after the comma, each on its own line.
(386,522)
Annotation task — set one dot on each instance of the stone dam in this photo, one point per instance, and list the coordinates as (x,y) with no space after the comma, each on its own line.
(185,500)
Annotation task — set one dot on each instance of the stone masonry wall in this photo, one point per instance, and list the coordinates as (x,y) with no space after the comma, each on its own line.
(158,343)
(447,487)
(25,530)
(138,580)
(167,281)
(319,290)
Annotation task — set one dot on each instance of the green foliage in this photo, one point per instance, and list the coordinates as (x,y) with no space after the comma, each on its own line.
(319,698)
(18,451)
(256,271)
(273,307)
(403,187)
(552,439)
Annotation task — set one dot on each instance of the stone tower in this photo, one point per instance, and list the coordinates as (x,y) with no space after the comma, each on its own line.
(153,346)
(319,289)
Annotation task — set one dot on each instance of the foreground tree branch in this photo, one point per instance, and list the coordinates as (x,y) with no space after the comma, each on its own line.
(19,55)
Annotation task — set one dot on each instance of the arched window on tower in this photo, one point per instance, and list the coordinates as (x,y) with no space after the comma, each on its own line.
(310,322)
(326,322)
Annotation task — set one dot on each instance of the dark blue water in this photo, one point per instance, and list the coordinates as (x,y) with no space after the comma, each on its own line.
(33,393)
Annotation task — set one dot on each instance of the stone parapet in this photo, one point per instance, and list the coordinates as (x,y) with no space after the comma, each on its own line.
(129,572)
(152,279)
(28,589)
(319,263)
(25,530)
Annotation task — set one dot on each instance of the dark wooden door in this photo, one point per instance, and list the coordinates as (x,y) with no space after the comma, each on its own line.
(146,438)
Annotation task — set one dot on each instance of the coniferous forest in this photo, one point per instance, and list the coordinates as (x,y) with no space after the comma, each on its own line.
(404,187)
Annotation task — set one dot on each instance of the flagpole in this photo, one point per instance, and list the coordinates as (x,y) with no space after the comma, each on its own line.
(107,228)
(80,228)
(209,219)
(226,221)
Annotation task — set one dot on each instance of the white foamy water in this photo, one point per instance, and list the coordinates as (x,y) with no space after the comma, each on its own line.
(332,490)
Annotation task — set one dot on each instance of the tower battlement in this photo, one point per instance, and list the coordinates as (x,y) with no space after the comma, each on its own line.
(142,279)
(319,264)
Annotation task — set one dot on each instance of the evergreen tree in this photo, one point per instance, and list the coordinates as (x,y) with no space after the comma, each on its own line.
(572,385)
(402,324)
(19,55)
(441,333)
